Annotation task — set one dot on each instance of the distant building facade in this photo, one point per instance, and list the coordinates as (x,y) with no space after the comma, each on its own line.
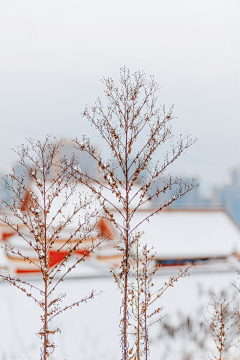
(229,196)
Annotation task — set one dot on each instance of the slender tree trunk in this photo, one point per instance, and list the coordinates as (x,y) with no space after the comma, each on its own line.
(45,270)
(138,308)
(45,322)
(125,318)
(145,307)
(126,249)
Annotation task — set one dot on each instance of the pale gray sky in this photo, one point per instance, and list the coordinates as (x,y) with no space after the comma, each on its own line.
(53,54)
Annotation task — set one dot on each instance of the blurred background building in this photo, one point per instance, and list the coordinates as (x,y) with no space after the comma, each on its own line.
(226,197)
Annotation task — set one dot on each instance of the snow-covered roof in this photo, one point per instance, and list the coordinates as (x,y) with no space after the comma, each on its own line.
(180,233)
(82,190)
(176,234)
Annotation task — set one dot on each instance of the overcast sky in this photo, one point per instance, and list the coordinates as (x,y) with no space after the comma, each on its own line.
(53,54)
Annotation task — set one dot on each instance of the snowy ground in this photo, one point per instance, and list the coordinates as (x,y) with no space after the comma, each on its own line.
(90,331)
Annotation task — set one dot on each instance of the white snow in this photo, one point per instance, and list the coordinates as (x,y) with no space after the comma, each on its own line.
(189,233)
(91,331)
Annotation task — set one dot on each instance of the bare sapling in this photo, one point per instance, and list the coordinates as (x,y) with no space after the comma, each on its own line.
(223,319)
(185,336)
(133,128)
(143,296)
(57,228)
